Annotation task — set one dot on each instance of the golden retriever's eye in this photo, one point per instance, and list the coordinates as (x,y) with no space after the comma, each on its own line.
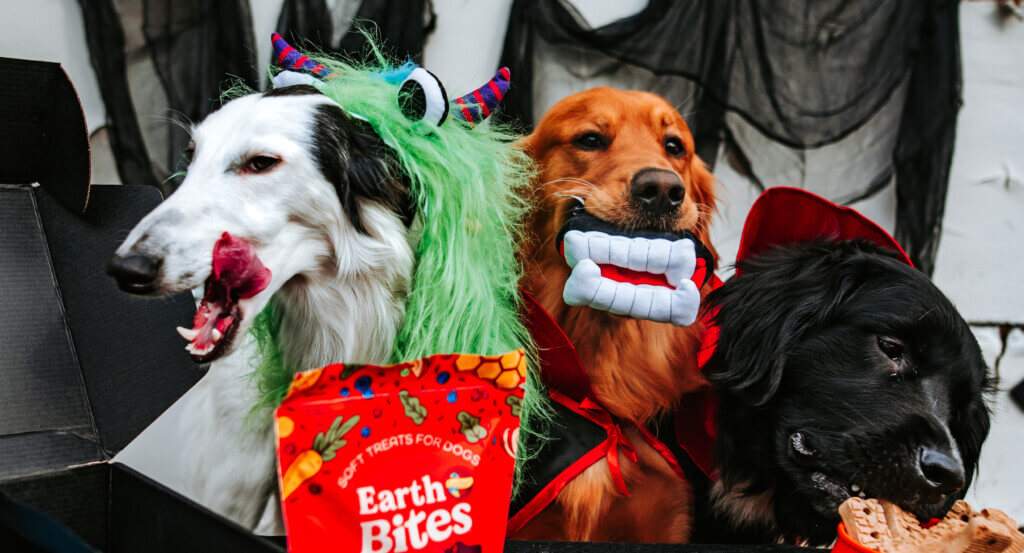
(590,141)
(892,349)
(260,164)
(674,147)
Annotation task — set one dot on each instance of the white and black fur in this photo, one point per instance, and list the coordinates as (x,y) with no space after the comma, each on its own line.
(327,212)
(841,371)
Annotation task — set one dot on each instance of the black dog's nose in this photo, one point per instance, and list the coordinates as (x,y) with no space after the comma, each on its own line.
(657,191)
(942,473)
(134,273)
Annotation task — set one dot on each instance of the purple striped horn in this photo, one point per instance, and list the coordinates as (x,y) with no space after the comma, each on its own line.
(298,69)
(477,105)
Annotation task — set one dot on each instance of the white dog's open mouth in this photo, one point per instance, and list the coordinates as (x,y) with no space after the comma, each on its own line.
(237,274)
(649,275)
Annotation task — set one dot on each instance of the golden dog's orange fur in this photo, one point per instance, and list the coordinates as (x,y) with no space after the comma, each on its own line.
(638,369)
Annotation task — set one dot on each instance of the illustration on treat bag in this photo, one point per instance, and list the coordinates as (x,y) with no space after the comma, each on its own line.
(309,462)
(433,471)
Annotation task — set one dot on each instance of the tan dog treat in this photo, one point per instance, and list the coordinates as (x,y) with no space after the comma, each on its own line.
(1004,521)
(982,536)
(961,509)
(865,522)
(935,537)
(1016,537)
(901,523)
(886,528)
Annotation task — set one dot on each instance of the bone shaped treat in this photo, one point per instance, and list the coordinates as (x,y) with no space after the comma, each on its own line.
(886,528)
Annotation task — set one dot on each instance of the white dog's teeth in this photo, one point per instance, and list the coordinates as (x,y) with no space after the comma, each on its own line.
(191,348)
(681,263)
(216,335)
(685,304)
(637,257)
(188,333)
(657,255)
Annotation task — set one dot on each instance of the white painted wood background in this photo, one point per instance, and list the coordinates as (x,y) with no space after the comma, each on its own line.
(980,259)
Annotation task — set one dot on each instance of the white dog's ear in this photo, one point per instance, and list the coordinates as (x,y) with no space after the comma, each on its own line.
(354,159)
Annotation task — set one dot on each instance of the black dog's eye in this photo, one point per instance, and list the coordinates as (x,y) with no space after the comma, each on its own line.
(892,349)
(590,141)
(260,164)
(190,152)
(674,147)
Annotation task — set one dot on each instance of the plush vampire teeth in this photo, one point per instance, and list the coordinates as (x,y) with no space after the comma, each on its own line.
(666,293)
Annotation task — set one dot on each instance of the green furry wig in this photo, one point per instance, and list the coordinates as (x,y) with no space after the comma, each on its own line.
(467,183)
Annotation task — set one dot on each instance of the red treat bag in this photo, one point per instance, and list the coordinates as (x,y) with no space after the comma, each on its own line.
(412,457)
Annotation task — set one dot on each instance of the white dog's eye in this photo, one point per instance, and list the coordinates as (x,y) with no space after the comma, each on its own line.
(422,96)
(260,164)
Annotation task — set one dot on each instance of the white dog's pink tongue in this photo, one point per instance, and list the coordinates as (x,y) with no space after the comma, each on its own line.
(236,266)
(237,274)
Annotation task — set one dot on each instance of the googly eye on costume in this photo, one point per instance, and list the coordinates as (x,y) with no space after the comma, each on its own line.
(422,96)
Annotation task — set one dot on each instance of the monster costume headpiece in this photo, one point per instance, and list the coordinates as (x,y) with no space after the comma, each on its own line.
(465,181)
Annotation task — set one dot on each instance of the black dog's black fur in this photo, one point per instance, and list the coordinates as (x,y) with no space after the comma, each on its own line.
(354,159)
(837,365)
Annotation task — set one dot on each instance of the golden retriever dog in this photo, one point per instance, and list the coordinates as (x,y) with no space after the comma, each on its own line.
(629,158)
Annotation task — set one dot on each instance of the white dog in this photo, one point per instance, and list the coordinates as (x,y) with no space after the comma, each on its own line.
(322,204)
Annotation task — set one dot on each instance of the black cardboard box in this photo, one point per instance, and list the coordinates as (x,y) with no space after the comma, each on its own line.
(84,368)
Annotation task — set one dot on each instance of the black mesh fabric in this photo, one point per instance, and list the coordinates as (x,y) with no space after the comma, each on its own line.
(194,45)
(161,64)
(802,73)
(404,24)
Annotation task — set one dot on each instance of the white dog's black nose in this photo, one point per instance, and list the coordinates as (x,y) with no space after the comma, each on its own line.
(134,273)
(940,472)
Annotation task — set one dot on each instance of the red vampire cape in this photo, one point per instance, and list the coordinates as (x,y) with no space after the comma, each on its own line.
(584,432)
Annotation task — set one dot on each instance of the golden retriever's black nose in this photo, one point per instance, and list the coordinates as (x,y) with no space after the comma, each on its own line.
(134,273)
(657,191)
(942,473)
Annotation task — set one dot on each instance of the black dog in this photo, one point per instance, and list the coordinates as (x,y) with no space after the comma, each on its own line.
(842,371)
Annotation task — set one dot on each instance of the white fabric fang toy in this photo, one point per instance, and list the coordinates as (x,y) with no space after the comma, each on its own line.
(645,276)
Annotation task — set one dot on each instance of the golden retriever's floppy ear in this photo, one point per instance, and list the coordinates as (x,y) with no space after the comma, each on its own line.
(704,195)
(531,144)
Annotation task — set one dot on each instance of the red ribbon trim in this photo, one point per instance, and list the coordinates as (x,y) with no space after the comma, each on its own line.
(616,440)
